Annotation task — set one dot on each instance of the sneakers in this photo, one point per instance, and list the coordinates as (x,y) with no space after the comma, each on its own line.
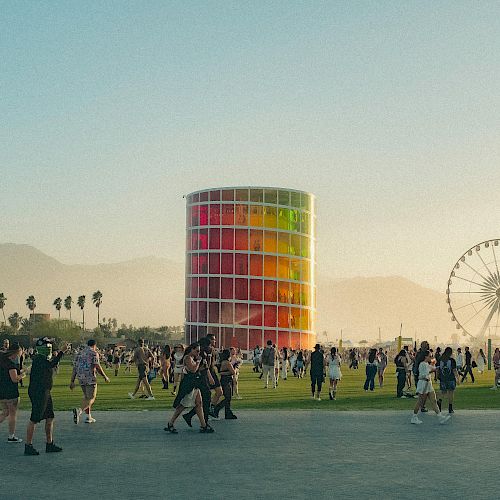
(170,428)
(131,395)
(150,398)
(90,420)
(238,397)
(14,439)
(415,420)
(76,415)
(443,418)
(52,448)
(206,430)
(312,397)
(29,450)
(318,399)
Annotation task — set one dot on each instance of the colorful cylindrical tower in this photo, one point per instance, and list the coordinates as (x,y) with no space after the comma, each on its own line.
(250,267)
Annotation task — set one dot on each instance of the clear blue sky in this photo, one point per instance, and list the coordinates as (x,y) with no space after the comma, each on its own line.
(387,111)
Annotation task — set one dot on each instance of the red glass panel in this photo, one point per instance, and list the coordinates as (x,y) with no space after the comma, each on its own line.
(213,290)
(203,215)
(270,291)
(194,312)
(241,263)
(240,338)
(256,240)
(226,337)
(255,314)
(213,312)
(194,287)
(227,194)
(240,314)
(241,289)
(283,339)
(194,263)
(188,264)
(226,288)
(202,312)
(256,290)
(215,195)
(294,340)
(241,215)
(242,194)
(203,287)
(228,239)
(194,239)
(226,313)
(204,196)
(283,317)
(214,238)
(270,316)
(214,330)
(255,338)
(195,215)
(203,239)
(203,263)
(214,263)
(270,335)
(270,268)
(241,239)
(228,214)
(256,265)
(215,214)
(227,263)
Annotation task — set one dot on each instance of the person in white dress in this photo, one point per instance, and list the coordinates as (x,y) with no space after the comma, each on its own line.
(333,360)
(425,390)
(178,366)
(481,361)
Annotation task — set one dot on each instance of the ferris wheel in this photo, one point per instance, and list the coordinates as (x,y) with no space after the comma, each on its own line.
(473,292)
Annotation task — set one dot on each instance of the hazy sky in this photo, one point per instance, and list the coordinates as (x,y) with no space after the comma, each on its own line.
(388,111)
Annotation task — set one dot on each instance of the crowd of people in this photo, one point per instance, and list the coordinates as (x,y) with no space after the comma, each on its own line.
(205,379)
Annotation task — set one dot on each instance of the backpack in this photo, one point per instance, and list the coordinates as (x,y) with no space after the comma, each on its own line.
(445,370)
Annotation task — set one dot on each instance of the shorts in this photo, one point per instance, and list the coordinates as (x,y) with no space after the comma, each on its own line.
(41,406)
(5,402)
(89,391)
(216,380)
(447,385)
(142,371)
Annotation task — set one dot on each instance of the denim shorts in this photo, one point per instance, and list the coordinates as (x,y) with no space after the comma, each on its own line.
(447,385)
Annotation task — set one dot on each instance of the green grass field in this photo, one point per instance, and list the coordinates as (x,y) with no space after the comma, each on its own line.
(292,394)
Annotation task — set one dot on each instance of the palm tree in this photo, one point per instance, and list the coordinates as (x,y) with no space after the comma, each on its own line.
(3,299)
(67,304)
(31,305)
(97,300)
(58,304)
(81,304)
(15,321)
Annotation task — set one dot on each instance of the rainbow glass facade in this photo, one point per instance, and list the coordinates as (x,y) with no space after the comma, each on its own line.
(250,266)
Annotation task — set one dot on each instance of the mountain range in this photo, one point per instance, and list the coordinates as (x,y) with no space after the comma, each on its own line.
(150,291)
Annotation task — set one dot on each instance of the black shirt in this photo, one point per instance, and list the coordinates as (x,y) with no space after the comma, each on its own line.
(8,389)
(468,358)
(317,363)
(42,372)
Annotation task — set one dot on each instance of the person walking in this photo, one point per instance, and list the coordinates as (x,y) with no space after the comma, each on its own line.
(141,359)
(85,368)
(468,366)
(300,364)
(371,370)
(335,375)
(165,365)
(496,367)
(381,365)
(227,373)
(481,361)
(460,361)
(256,353)
(236,361)
(448,378)
(268,360)
(10,377)
(116,360)
(425,391)
(178,366)
(317,362)
(42,408)
(401,361)
(284,363)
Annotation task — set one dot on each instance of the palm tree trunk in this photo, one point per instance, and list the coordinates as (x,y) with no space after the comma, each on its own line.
(98,318)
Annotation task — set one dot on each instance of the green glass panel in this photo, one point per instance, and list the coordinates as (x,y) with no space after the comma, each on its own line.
(270,196)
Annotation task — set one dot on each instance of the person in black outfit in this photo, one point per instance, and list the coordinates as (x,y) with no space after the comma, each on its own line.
(468,366)
(41,382)
(205,381)
(226,379)
(400,362)
(317,370)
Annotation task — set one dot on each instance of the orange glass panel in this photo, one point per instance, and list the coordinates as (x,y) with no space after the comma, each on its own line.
(241,215)
(306,267)
(270,293)
(256,266)
(270,242)
(270,217)
(228,214)
(283,317)
(283,267)
(270,315)
(295,293)
(283,339)
(270,266)
(294,317)
(256,240)
(256,215)
(283,242)
(283,292)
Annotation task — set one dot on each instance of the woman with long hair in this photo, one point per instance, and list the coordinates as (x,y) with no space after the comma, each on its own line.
(284,363)
(189,394)
(481,361)
(300,364)
(165,365)
(371,370)
(448,378)
(401,361)
(236,360)
(227,374)
(9,391)
(333,359)
(425,391)
(178,366)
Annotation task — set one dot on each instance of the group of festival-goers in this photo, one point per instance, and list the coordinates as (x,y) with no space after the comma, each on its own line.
(204,379)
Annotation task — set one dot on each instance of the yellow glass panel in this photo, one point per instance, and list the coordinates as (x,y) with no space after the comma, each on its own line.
(270,219)
(305,247)
(283,242)
(293,220)
(283,267)
(304,319)
(270,242)
(270,266)
(283,214)
(283,292)
(256,215)
(294,244)
(241,215)
(295,294)
(295,269)
(294,317)
(305,295)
